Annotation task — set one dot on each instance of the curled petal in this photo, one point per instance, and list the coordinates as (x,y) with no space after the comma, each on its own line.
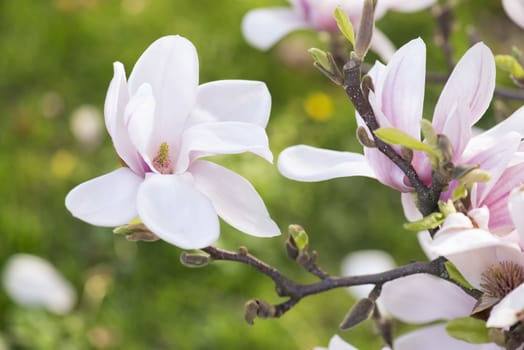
(232,100)
(436,338)
(173,209)
(409,206)
(170,66)
(305,163)
(222,138)
(509,310)
(471,84)
(515,10)
(424,298)
(114,107)
(234,198)
(108,200)
(32,281)
(262,28)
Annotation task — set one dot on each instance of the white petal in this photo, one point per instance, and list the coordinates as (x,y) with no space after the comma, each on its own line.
(424,298)
(409,206)
(114,107)
(232,100)
(108,200)
(33,282)
(365,262)
(516,208)
(222,138)
(306,163)
(262,28)
(140,112)
(437,338)
(170,66)
(425,241)
(515,10)
(234,198)
(471,84)
(337,343)
(172,208)
(382,45)
(515,122)
(506,312)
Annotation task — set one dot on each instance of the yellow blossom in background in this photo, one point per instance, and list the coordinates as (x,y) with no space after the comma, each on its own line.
(62,163)
(319,106)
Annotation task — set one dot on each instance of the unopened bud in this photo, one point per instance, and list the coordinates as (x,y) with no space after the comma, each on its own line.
(445,147)
(447,208)
(460,171)
(364,139)
(144,236)
(367,86)
(407,154)
(258,308)
(321,58)
(365,30)
(194,260)
(129,229)
(299,236)
(360,312)
(476,175)
(291,248)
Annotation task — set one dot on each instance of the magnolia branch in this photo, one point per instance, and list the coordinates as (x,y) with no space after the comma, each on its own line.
(286,287)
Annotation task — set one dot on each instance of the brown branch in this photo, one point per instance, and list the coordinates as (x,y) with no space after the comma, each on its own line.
(295,291)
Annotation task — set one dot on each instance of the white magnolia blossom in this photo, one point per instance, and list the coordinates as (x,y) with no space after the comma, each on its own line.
(33,282)
(262,28)
(161,123)
(364,262)
(515,10)
(337,343)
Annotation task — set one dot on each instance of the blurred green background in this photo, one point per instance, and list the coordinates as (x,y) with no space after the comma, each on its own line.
(55,64)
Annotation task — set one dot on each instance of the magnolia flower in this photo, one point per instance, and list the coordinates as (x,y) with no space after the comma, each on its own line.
(365,262)
(33,282)
(161,123)
(262,28)
(515,10)
(337,343)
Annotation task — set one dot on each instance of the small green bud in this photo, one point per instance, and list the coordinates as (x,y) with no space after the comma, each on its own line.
(446,208)
(321,58)
(258,308)
(511,65)
(476,175)
(194,260)
(129,229)
(428,132)
(398,137)
(299,236)
(431,221)
(461,191)
(344,25)
(364,139)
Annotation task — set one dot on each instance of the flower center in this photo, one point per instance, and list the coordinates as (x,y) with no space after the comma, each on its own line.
(162,162)
(499,280)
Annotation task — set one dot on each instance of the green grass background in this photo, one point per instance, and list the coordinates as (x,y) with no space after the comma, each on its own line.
(138,295)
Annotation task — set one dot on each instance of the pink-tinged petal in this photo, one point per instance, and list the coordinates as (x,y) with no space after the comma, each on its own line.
(33,282)
(409,5)
(515,122)
(473,251)
(515,10)
(114,107)
(365,262)
(437,338)
(222,138)
(425,241)
(232,100)
(337,343)
(382,45)
(471,84)
(516,208)
(404,76)
(170,66)
(386,171)
(493,155)
(506,313)
(409,205)
(306,163)
(497,198)
(424,298)
(234,198)
(108,200)
(172,208)
(262,28)
(141,122)
(458,130)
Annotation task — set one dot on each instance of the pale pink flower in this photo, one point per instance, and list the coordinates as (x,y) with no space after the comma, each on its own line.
(34,282)
(337,343)
(161,123)
(262,28)
(515,10)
